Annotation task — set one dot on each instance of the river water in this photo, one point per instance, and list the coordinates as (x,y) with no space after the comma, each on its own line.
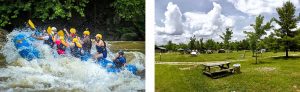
(64,73)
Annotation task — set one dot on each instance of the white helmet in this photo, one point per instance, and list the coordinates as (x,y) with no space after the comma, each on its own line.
(54,29)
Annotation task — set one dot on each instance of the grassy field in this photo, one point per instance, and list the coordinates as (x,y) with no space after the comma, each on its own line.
(272,74)
(177,57)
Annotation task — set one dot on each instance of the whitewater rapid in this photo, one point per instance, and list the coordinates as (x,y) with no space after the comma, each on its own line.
(53,72)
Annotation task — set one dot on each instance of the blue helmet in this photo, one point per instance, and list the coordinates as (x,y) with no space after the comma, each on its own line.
(121,52)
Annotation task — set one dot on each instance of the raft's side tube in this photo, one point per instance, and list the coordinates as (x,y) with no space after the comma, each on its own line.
(85,56)
(131,68)
(104,63)
(25,49)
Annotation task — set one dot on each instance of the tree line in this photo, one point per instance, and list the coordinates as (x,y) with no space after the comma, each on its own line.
(286,38)
(120,19)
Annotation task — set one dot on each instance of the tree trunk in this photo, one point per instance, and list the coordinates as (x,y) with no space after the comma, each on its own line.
(286,53)
(286,48)
(256,57)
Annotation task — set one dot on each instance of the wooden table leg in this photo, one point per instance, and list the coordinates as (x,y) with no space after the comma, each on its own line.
(228,65)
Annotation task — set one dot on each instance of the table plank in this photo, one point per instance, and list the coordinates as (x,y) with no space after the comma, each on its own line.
(216,64)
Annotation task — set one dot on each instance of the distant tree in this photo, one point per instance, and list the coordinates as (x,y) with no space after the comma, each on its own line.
(201,45)
(259,31)
(210,44)
(245,44)
(226,37)
(235,45)
(287,20)
(183,46)
(272,41)
(192,43)
(170,46)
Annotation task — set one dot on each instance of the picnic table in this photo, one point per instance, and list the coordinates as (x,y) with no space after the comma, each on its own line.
(224,68)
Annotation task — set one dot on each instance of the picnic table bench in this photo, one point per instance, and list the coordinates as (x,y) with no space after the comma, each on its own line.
(224,69)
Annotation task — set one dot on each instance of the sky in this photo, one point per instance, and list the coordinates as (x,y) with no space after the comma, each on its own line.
(178,20)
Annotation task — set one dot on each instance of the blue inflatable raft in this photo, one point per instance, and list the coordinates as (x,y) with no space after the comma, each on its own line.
(25,49)
(104,63)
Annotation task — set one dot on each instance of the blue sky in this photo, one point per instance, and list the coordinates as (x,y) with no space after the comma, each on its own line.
(178,20)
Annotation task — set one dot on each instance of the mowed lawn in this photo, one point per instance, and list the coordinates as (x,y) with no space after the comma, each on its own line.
(177,57)
(271,75)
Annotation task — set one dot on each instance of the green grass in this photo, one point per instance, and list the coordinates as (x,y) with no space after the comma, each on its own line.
(177,57)
(271,75)
(128,45)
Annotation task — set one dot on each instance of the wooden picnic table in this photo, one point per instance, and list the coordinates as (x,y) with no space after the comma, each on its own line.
(223,68)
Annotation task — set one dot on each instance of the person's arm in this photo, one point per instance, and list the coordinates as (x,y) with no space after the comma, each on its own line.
(116,57)
(79,45)
(98,43)
(64,43)
(85,40)
(79,40)
(53,38)
(125,62)
(67,32)
(101,43)
(41,37)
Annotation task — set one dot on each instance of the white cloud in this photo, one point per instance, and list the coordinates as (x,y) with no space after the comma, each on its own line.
(173,22)
(203,25)
(256,7)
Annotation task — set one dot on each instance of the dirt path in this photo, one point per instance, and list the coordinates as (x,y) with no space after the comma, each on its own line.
(200,63)
(193,63)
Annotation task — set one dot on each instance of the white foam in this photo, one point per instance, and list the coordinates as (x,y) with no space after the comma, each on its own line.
(54,72)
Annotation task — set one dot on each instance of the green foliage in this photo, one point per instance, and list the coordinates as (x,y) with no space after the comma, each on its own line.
(210,44)
(272,42)
(192,43)
(201,47)
(41,9)
(171,46)
(130,9)
(259,30)
(226,37)
(287,21)
(182,46)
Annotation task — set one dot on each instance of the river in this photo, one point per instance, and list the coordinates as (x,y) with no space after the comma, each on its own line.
(53,72)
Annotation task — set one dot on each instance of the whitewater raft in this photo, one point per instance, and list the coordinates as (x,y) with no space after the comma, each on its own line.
(27,51)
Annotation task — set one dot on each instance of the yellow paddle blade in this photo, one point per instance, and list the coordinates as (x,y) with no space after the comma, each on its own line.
(31,24)
(49,30)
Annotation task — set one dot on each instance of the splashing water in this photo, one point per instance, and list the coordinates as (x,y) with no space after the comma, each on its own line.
(63,73)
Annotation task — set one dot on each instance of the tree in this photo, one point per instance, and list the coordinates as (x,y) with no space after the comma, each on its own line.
(182,46)
(170,46)
(192,43)
(287,21)
(197,45)
(201,45)
(272,41)
(210,44)
(259,31)
(226,37)
(132,11)
(42,9)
